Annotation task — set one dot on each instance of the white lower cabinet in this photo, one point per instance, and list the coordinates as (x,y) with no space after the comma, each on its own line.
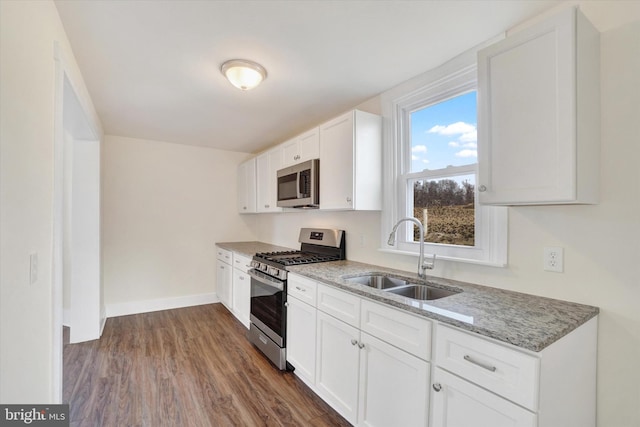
(394,386)
(366,379)
(241,296)
(459,403)
(373,364)
(241,284)
(337,365)
(301,339)
(481,382)
(224,277)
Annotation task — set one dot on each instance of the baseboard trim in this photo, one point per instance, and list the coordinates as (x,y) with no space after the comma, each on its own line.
(147,306)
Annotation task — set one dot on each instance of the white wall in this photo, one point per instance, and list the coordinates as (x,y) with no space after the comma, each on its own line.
(164,208)
(28,31)
(601,242)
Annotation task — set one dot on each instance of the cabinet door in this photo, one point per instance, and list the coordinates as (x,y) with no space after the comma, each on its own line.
(267,165)
(458,403)
(301,339)
(241,296)
(336,163)
(337,361)
(393,386)
(309,145)
(290,152)
(223,284)
(247,187)
(527,119)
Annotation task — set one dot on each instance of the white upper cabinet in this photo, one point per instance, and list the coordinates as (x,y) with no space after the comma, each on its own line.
(267,166)
(539,115)
(247,187)
(302,148)
(351,162)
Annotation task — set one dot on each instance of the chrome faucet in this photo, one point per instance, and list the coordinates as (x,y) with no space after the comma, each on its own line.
(422,265)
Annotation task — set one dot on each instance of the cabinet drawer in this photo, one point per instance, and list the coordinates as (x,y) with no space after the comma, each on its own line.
(503,370)
(302,288)
(403,330)
(339,304)
(224,255)
(241,262)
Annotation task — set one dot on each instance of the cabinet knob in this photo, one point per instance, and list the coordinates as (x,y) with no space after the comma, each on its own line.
(354,341)
(437,387)
(286,304)
(348,199)
(360,345)
(266,206)
(482,188)
(244,207)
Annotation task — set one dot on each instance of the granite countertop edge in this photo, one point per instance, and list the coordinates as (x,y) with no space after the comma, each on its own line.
(527,321)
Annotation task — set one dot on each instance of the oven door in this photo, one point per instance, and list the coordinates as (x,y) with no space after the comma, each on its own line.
(268,296)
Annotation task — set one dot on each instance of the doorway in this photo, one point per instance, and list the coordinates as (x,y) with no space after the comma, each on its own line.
(77,277)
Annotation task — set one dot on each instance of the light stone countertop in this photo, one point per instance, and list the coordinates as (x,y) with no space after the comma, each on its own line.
(527,321)
(249,249)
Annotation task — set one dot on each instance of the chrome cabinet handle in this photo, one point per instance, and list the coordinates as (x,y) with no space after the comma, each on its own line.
(360,345)
(482,188)
(286,304)
(300,289)
(354,341)
(348,199)
(482,365)
(437,387)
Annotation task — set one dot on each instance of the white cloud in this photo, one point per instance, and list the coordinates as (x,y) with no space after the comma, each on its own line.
(419,149)
(457,128)
(467,153)
(454,144)
(470,145)
(469,136)
(414,157)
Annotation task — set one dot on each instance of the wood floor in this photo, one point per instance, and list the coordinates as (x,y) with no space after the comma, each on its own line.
(183,367)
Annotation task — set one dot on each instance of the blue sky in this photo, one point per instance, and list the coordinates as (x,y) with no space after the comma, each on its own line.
(445,134)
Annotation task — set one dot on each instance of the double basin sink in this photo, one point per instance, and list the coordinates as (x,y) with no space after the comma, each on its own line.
(400,286)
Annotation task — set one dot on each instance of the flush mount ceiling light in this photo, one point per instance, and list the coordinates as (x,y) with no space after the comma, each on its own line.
(243,74)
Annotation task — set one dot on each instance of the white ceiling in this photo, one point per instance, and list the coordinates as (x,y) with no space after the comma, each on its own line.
(152,67)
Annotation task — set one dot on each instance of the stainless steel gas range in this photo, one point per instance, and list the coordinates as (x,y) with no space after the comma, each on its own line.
(269,287)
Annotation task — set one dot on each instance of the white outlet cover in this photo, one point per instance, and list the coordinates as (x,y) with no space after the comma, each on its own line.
(553,259)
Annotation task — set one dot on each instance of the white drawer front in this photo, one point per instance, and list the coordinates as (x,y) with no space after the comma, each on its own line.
(241,262)
(409,333)
(224,255)
(302,288)
(503,370)
(339,304)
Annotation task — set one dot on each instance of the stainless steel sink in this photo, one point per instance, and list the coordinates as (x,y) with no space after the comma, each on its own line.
(377,281)
(401,287)
(421,292)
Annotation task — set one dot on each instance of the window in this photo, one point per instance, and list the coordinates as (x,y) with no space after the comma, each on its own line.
(431,167)
(440,180)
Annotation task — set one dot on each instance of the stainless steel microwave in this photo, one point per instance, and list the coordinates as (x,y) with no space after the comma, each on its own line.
(298,185)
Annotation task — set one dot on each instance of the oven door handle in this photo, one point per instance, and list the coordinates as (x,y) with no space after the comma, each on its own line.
(266,280)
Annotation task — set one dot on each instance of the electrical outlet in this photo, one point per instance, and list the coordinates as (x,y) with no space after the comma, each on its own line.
(33,268)
(553,259)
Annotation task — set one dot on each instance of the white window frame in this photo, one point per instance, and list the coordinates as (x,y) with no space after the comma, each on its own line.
(454,78)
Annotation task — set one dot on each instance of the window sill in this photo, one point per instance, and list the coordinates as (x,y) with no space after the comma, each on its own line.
(445,258)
